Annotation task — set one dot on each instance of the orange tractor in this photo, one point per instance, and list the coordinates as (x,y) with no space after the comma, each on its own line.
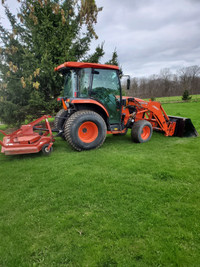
(93,106)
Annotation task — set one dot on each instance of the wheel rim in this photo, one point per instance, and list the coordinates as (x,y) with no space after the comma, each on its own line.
(88,132)
(46,149)
(146,131)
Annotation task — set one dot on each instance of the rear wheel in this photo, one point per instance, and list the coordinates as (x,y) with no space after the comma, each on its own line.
(141,131)
(85,130)
(60,118)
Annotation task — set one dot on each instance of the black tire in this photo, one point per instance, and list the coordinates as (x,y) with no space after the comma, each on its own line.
(47,151)
(85,130)
(60,119)
(141,131)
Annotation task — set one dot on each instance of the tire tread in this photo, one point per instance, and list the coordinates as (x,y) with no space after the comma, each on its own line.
(56,121)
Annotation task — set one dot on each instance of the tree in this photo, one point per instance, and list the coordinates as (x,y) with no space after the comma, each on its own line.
(189,78)
(114,61)
(165,76)
(44,34)
(186,96)
(95,57)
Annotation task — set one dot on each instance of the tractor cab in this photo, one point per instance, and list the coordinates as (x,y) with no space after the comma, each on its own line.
(90,83)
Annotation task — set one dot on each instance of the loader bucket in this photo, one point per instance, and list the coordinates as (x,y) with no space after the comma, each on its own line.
(184,127)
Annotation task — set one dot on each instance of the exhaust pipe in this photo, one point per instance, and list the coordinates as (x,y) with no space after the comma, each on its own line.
(184,127)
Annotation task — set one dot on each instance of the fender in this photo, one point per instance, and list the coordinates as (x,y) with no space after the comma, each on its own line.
(89,101)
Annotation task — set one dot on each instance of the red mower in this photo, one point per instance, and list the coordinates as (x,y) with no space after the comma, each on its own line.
(30,138)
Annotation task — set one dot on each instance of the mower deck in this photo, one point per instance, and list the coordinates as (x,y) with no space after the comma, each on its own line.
(26,141)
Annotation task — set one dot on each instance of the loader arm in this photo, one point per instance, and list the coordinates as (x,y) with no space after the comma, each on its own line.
(153,112)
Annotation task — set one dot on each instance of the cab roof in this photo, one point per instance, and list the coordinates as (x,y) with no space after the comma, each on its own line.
(85,65)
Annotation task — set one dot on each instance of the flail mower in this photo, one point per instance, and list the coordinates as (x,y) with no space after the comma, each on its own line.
(93,106)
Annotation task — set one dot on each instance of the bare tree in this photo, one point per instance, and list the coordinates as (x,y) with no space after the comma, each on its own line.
(166,83)
(165,76)
(188,77)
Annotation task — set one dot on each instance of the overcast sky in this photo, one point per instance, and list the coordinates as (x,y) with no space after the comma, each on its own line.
(149,35)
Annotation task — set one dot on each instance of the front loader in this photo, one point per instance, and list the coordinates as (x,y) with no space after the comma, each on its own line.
(93,106)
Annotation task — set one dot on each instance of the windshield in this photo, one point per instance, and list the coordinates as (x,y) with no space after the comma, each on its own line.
(70,85)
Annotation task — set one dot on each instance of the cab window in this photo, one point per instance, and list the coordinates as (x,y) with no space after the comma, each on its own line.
(106,88)
(84,82)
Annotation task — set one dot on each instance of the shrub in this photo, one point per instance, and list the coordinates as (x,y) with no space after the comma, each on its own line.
(186,96)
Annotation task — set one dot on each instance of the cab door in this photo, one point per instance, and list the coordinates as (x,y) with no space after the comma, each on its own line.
(106,89)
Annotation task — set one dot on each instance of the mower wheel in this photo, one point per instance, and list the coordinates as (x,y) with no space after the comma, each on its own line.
(85,130)
(47,151)
(141,131)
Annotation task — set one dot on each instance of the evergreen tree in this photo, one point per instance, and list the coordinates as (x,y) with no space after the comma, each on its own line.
(95,57)
(114,61)
(186,96)
(44,34)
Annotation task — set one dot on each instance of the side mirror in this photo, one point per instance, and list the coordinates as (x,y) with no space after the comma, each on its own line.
(128,83)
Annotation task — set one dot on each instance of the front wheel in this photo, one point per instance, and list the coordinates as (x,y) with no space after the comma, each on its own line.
(141,131)
(85,130)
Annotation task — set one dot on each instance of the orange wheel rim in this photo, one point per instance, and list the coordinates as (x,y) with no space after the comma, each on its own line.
(88,132)
(146,131)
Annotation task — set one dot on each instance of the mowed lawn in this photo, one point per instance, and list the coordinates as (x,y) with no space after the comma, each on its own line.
(124,204)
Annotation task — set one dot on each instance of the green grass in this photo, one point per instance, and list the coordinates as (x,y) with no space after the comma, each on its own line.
(173,99)
(124,204)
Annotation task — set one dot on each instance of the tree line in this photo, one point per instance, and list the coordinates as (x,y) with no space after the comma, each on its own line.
(186,79)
